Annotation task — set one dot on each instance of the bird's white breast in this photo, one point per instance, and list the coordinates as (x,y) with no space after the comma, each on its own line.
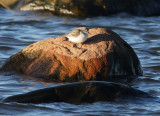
(79,39)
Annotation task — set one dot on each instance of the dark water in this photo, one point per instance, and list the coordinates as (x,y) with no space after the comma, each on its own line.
(19,29)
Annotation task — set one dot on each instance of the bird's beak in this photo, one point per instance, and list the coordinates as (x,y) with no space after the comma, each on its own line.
(88,31)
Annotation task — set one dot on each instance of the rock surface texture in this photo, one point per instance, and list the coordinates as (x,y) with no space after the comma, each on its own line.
(80,92)
(103,55)
(85,8)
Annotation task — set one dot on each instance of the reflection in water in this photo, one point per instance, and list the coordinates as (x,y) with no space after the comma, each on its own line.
(19,29)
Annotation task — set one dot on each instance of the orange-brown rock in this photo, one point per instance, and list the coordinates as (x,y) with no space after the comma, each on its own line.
(104,54)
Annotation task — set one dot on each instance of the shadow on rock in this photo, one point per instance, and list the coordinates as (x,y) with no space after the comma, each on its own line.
(80,92)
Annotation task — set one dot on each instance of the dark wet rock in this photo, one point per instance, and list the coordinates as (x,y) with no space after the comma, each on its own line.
(80,92)
(103,55)
(85,8)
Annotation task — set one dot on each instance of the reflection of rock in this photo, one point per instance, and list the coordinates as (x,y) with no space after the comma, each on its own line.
(79,92)
(104,54)
(84,8)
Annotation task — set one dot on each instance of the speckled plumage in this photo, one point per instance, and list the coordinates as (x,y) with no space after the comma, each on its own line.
(78,35)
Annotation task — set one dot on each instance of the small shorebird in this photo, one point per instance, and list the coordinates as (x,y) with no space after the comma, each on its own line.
(78,35)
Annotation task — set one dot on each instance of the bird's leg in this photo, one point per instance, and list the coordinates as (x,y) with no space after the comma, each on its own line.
(75,45)
(80,44)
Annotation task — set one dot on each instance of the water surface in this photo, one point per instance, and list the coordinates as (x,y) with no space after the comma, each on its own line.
(20,29)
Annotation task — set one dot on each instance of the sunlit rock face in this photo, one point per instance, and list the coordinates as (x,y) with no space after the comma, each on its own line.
(81,92)
(103,55)
(86,8)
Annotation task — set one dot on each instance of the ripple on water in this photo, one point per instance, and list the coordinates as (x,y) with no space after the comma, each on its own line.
(19,29)
(3,48)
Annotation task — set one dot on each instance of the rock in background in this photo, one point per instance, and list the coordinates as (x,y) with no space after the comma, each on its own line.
(9,4)
(86,8)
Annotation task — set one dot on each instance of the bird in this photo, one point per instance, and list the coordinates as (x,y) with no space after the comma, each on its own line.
(78,35)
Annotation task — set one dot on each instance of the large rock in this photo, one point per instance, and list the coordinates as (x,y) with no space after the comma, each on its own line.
(103,55)
(79,93)
(84,8)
